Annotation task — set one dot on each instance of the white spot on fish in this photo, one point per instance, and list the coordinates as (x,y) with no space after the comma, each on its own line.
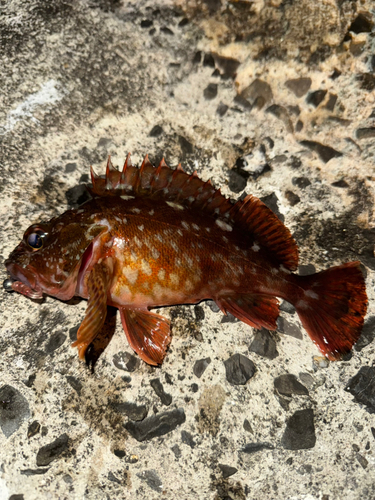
(145,268)
(141,227)
(208,229)
(159,237)
(284,269)
(175,205)
(312,294)
(161,274)
(195,226)
(185,225)
(155,253)
(189,286)
(302,304)
(174,246)
(127,197)
(175,280)
(130,274)
(135,210)
(225,239)
(151,212)
(255,247)
(137,242)
(180,232)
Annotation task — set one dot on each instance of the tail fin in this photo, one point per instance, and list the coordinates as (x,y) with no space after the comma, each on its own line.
(333,307)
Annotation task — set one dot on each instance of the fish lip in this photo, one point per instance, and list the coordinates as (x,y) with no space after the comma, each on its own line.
(24,280)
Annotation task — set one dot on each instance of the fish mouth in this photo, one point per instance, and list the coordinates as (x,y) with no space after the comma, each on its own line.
(24,281)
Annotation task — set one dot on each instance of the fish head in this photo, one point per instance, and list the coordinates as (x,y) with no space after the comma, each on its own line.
(50,256)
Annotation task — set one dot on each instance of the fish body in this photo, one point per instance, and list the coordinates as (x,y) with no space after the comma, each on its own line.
(155,236)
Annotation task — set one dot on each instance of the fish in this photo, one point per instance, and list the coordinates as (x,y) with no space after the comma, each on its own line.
(157,236)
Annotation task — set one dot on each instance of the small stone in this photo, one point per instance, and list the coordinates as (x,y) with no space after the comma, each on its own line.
(34,472)
(367,334)
(239,369)
(131,410)
(208,60)
(340,184)
(229,318)
(326,153)
(292,198)
(315,98)
(227,470)
(125,361)
(367,81)
(165,398)
(151,478)
(55,341)
(113,478)
(258,88)
(306,269)
(194,387)
(14,409)
(330,104)
(363,23)
(199,313)
(16,497)
(282,114)
(320,362)
(176,450)
(33,429)
(119,453)
(271,201)
(307,380)
(70,167)
(210,92)
(52,451)
(213,306)
(75,383)
(156,425)
(299,86)
(244,103)
(156,131)
(284,326)
(237,182)
(300,431)
(362,387)
(287,307)
(188,439)
(263,344)
(301,182)
(222,109)
(365,133)
(362,460)
(247,426)
(228,66)
(254,447)
(146,23)
(288,384)
(299,126)
(200,366)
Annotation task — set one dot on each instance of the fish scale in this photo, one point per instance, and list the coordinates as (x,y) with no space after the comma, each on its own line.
(152,237)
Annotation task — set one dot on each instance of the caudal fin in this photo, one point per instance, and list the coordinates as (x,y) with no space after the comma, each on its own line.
(332,308)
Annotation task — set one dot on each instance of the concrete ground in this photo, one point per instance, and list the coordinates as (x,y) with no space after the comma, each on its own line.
(266,97)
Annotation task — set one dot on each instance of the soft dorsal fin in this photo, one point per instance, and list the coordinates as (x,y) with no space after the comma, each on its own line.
(253,215)
(164,183)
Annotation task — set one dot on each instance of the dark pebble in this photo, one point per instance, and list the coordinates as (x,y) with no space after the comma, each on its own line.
(362,460)
(271,201)
(70,167)
(288,384)
(125,361)
(14,409)
(244,103)
(300,431)
(301,182)
(362,387)
(200,366)
(258,88)
(213,306)
(292,198)
(156,131)
(188,439)
(197,57)
(30,380)
(228,66)
(330,104)
(156,425)
(166,31)
(199,313)
(340,184)
(73,333)
(306,269)
(33,429)
(146,23)
(326,153)
(315,98)
(210,92)
(299,126)
(247,426)
(299,86)
(16,497)
(184,21)
(131,410)
(113,478)
(283,326)
(208,60)
(55,341)
(75,383)
(176,450)
(239,369)
(104,142)
(34,472)
(222,109)
(282,114)
(119,453)
(227,470)
(77,195)
(229,318)
(263,344)
(151,478)
(363,23)
(254,447)
(52,451)
(365,133)
(237,182)
(367,81)
(186,146)
(194,388)
(367,334)
(165,398)
(287,307)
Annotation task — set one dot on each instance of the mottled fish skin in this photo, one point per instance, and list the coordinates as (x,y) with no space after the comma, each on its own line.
(154,237)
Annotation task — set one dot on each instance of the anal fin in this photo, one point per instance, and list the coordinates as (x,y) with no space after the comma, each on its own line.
(96,312)
(254,309)
(147,333)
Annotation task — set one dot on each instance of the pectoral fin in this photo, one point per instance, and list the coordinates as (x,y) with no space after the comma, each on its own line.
(147,333)
(97,285)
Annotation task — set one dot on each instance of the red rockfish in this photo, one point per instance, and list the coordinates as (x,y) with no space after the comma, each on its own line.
(153,237)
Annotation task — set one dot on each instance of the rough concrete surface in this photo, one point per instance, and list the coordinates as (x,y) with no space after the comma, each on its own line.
(270,97)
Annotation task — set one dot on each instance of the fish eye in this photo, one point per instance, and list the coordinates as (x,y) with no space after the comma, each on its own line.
(35,239)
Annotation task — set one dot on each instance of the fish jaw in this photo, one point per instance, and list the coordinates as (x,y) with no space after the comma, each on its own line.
(24,281)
